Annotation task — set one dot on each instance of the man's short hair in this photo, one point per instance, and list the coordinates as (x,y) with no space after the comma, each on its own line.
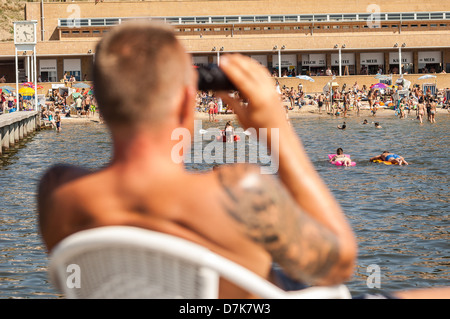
(138,66)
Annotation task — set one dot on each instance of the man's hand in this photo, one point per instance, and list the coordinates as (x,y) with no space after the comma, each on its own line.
(253,81)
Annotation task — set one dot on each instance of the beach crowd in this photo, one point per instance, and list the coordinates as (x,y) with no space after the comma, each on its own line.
(405,102)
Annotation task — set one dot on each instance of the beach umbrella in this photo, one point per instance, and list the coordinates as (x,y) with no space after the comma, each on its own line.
(76,95)
(81,85)
(305,77)
(91,92)
(31,85)
(427,76)
(379,86)
(7,87)
(26,91)
(6,91)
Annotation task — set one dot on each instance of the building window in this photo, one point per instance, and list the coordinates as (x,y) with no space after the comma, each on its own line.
(217,19)
(320,18)
(407,16)
(188,20)
(232,19)
(437,16)
(262,19)
(277,19)
(247,19)
(202,20)
(423,16)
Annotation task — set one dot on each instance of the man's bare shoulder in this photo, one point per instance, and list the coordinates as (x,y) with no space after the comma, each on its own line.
(244,177)
(51,198)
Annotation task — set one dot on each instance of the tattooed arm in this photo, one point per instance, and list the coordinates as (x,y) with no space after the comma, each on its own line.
(305,249)
(304,189)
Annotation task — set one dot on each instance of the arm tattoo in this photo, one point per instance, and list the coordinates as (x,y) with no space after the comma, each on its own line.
(305,249)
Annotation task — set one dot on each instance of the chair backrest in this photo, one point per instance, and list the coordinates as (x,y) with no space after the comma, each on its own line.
(130,262)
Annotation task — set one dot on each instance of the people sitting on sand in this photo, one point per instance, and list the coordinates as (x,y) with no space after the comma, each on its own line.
(386,156)
(341,157)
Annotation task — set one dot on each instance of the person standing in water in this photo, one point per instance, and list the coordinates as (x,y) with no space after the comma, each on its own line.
(229,132)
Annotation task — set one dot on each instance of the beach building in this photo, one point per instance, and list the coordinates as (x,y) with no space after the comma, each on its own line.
(355,39)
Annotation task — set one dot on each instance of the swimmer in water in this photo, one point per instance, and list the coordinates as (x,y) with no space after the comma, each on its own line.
(377,125)
(342,127)
(365,122)
(390,157)
(340,157)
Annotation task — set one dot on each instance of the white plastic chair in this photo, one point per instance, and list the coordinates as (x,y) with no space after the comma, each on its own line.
(130,262)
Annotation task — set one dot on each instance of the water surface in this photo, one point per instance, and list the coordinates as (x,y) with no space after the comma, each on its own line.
(400,215)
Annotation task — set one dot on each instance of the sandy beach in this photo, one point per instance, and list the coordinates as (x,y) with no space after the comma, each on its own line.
(305,111)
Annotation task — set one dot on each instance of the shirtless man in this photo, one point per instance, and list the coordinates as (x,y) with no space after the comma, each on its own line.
(252,219)
(433,111)
(390,157)
(142,186)
(320,102)
(211,109)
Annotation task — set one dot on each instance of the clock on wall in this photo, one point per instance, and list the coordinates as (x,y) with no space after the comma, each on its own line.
(24,32)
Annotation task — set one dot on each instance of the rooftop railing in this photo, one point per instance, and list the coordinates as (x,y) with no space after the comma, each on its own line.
(245,19)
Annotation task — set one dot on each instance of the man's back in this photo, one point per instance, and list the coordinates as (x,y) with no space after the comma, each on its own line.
(204,212)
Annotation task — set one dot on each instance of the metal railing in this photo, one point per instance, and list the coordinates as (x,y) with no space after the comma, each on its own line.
(245,19)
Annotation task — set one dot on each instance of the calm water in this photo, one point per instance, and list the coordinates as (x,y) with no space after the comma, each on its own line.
(400,214)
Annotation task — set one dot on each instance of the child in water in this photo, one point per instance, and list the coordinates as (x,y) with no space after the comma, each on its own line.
(340,157)
(229,132)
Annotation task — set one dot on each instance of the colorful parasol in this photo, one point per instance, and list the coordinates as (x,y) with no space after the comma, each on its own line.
(26,91)
(379,86)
